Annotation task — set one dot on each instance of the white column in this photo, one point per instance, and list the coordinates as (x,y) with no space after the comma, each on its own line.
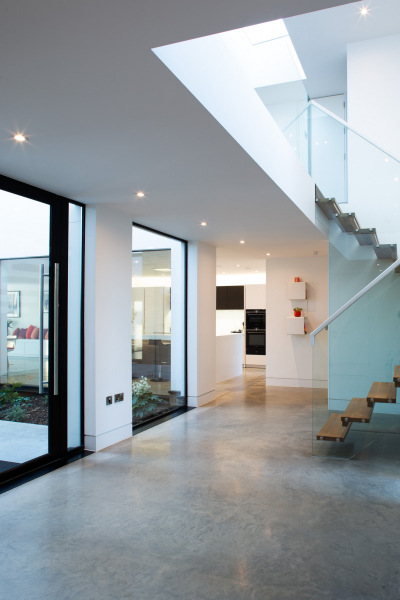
(201,323)
(108,275)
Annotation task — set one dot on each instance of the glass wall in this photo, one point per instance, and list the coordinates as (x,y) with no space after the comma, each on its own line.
(24,329)
(75,242)
(158,325)
(41,245)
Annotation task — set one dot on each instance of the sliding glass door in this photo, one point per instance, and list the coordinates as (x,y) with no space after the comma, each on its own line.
(40,326)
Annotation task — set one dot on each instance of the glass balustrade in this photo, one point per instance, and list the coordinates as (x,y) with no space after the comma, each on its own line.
(348,167)
(360,348)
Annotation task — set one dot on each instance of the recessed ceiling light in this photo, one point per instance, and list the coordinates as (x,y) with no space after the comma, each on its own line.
(386,159)
(20,137)
(238,265)
(364,10)
(268,253)
(203,223)
(396,178)
(140,194)
(242,242)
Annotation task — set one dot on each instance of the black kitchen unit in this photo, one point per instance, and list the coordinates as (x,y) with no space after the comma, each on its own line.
(255,331)
(230,297)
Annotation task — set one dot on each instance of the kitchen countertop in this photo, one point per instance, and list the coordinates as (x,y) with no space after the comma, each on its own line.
(228,334)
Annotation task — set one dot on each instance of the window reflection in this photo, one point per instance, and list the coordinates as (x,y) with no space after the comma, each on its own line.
(158,325)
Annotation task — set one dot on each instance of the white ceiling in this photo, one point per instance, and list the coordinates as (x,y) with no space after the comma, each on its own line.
(320,39)
(106,118)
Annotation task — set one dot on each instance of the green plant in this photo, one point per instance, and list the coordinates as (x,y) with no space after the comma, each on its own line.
(143,399)
(15,413)
(297,308)
(10,395)
(13,406)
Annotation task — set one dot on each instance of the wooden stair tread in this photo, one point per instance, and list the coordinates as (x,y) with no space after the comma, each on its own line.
(329,207)
(334,430)
(347,222)
(396,376)
(382,391)
(386,251)
(357,411)
(367,237)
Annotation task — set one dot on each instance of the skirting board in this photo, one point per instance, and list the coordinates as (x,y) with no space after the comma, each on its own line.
(200,400)
(306,383)
(108,438)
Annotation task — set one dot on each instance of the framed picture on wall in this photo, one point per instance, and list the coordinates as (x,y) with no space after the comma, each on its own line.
(13,304)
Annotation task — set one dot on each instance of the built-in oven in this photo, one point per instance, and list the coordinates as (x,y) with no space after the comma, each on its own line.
(255,319)
(255,342)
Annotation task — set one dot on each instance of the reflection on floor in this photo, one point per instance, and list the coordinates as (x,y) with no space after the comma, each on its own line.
(224,501)
(24,370)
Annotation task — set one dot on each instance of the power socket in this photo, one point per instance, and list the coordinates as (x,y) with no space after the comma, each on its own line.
(118,397)
(108,400)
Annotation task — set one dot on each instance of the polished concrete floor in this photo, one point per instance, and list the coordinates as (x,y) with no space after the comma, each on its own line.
(224,502)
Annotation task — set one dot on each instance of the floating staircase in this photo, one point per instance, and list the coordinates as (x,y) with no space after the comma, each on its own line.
(359,410)
(348,223)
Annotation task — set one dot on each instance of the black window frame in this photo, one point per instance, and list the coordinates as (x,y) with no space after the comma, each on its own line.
(58,410)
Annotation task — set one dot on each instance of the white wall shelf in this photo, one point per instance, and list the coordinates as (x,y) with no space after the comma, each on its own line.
(297,290)
(295,325)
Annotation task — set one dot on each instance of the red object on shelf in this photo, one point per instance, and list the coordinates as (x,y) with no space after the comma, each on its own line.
(297,313)
(297,279)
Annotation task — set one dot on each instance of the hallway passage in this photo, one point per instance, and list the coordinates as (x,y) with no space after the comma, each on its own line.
(223,502)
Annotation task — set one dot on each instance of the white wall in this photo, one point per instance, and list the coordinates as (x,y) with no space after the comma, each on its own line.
(229,320)
(255,296)
(241,278)
(289,357)
(229,351)
(108,274)
(373,92)
(201,323)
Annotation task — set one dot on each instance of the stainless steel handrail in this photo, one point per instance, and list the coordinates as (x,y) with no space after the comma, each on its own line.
(56,326)
(352,300)
(41,295)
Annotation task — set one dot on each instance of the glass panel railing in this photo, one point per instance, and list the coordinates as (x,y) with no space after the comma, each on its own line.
(360,348)
(347,166)
(297,134)
(320,143)
(364,180)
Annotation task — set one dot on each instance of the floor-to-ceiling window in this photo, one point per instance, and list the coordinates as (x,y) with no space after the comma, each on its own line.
(40,327)
(158,324)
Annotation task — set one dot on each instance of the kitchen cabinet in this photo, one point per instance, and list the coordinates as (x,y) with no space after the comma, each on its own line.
(230,297)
